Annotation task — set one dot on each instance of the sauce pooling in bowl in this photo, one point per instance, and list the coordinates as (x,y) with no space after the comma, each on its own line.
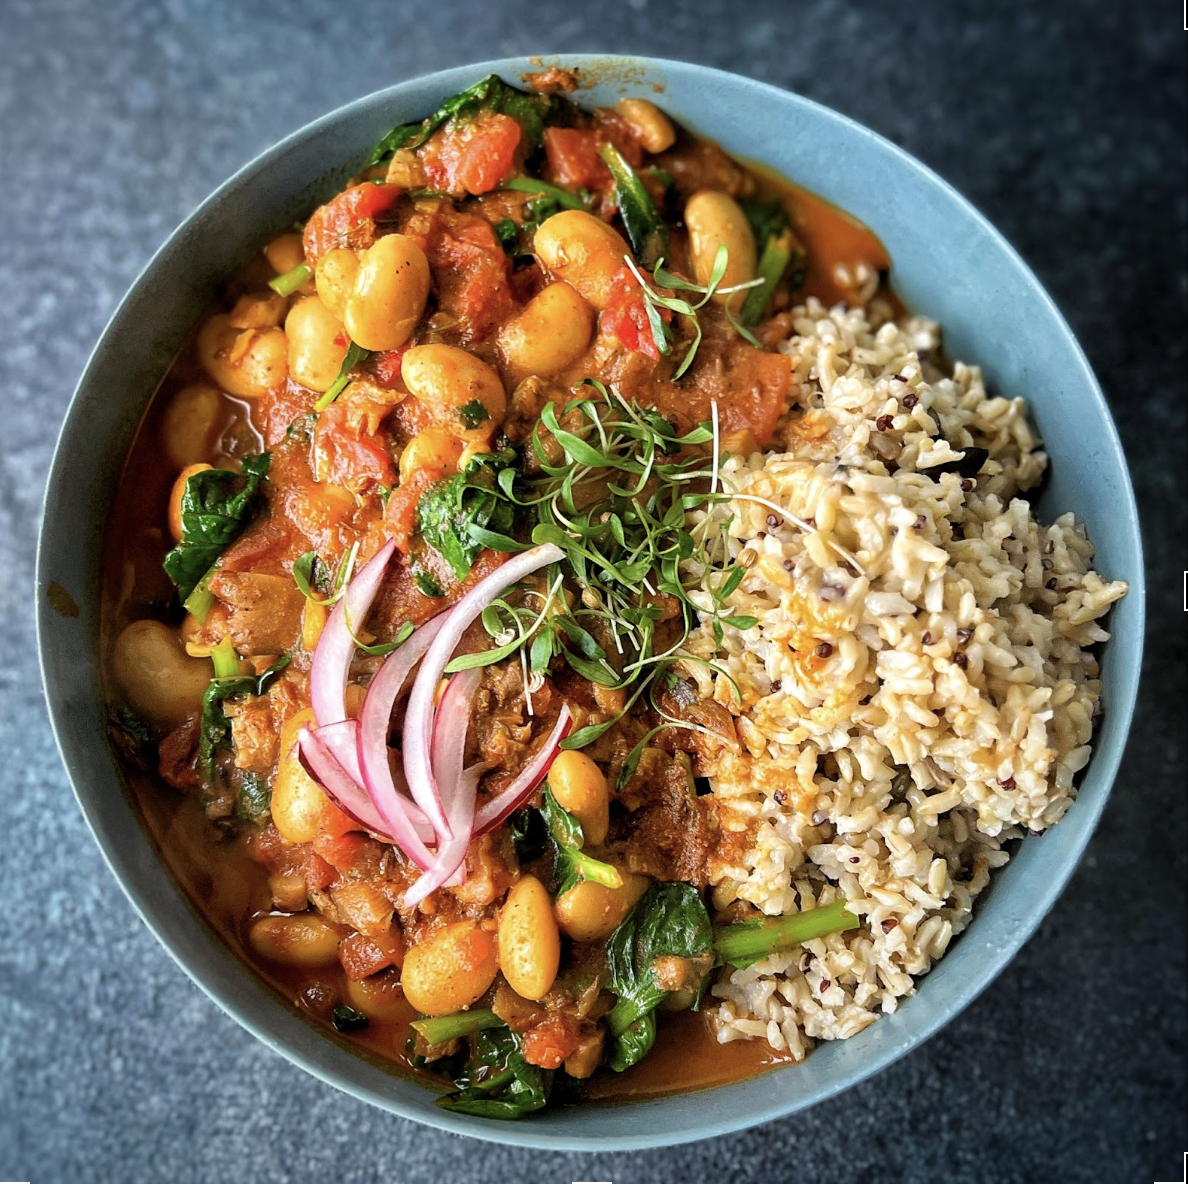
(509,334)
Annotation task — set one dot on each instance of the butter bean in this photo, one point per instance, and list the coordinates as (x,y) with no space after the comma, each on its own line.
(529,943)
(715,219)
(451,969)
(590,911)
(550,333)
(460,391)
(160,679)
(583,251)
(580,788)
(301,939)
(389,294)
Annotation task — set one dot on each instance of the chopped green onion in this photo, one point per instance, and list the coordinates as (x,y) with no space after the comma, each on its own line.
(290,281)
(201,600)
(225,659)
(354,355)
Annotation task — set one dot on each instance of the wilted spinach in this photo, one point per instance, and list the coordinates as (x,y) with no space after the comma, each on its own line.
(497,1081)
(461,515)
(571,864)
(530,110)
(215,726)
(216,506)
(670,920)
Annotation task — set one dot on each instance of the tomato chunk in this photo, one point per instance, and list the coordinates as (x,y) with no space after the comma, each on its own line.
(348,219)
(573,158)
(625,317)
(361,957)
(346,455)
(473,157)
(473,275)
(400,516)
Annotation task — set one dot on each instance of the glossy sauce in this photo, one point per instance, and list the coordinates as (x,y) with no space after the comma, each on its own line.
(229,889)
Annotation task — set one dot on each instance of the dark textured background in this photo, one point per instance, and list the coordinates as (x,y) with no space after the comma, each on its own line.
(1064,122)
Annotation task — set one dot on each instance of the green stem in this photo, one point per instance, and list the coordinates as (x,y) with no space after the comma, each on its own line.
(776,254)
(354,355)
(225,659)
(620,1017)
(742,944)
(543,189)
(290,281)
(439,1029)
(201,600)
(647,231)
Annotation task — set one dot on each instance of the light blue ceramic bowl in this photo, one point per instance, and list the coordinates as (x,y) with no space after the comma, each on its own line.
(948,263)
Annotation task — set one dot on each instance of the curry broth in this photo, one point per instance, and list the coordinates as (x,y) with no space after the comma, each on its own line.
(228,888)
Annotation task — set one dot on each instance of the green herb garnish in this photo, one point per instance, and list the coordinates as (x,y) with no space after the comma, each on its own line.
(654,301)
(347,1019)
(508,234)
(473,413)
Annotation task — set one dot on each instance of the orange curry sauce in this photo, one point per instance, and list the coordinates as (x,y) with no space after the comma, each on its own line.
(228,888)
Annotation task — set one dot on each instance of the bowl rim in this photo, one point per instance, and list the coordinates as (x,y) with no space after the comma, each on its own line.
(1126,666)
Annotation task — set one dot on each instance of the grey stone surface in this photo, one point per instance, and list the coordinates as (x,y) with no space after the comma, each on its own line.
(1064,123)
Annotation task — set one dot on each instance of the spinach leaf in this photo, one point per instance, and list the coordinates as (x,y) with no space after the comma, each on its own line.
(508,234)
(633,1043)
(530,110)
(134,727)
(498,1082)
(347,1019)
(768,219)
(426,582)
(777,247)
(669,921)
(647,231)
(216,506)
(529,835)
(460,516)
(570,863)
(215,726)
(253,799)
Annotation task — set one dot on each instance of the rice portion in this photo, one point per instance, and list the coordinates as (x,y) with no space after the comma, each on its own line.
(919,689)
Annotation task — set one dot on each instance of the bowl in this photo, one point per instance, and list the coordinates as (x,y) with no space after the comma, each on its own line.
(948,263)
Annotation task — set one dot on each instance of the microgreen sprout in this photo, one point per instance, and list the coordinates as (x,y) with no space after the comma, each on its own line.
(654,301)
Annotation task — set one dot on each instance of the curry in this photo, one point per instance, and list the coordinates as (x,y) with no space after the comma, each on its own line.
(399,572)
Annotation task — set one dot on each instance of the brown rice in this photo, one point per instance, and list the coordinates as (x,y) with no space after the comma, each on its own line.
(920,687)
